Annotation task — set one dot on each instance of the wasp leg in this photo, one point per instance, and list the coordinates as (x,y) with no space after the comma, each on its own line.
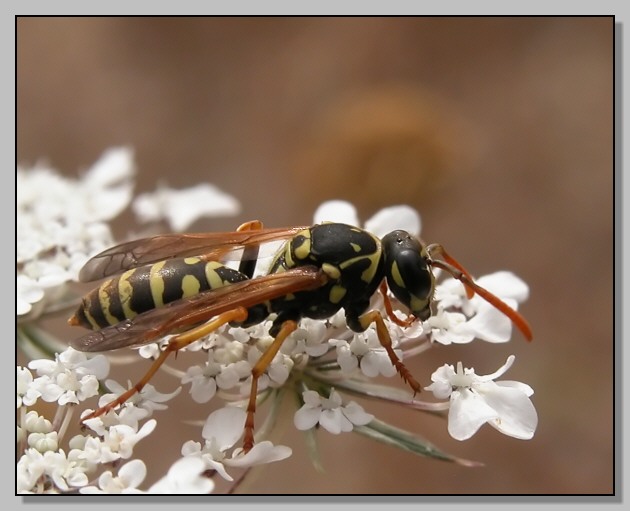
(259,368)
(250,254)
(386,341)
(176,343)
(390,311)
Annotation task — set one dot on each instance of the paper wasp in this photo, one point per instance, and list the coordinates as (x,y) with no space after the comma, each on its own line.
(176,284)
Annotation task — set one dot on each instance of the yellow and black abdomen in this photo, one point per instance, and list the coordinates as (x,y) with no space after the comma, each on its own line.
(149,287)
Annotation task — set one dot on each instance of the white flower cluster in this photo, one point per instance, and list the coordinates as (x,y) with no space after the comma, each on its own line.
(46,467)
(320,363)
(61,222)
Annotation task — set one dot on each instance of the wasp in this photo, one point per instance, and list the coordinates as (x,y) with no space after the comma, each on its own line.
(176,284)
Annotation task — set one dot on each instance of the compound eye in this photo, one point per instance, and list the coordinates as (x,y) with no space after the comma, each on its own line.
(407,273)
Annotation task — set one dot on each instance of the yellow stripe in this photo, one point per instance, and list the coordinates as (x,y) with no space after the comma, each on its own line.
(397,276)
(89,317)
(303,251)
(370,271)
(332,271)
(156,283)
(105,301)
(125,291)
(213,278)
(190,285)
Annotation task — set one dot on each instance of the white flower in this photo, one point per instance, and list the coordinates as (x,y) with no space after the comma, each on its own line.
(72,377)
(365,351)
(184,477)
(28,292)
(183,207)
(129,477)
(310,338)
(118,442)
(223,428)
(60,222)
(43,441)
(35,423)
(478,318)
(329,413)
(27,394)
(148,398)
(475,400)
(206,379)
(64,471)
(30,468)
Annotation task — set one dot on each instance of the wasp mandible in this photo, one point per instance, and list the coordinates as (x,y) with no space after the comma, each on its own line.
(177,284)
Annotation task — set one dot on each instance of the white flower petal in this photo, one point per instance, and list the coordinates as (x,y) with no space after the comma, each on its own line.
(133,473)
(183,207)
(334,421)
(393,218)
(505,284)
(490,324)
(225,426)
(305,418)
(516,415)
(467,413)
(184,477)
(356,414)
(523,387)
(336,211)
(262,452)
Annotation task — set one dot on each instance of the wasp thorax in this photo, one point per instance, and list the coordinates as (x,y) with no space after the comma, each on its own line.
(408,274)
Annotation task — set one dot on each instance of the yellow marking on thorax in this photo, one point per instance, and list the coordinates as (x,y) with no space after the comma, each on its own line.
(356,247)
(288,257)
(374,258)
(304,249)
(125,290)
(332,271)
(104,300)
(156,283)
(337,293)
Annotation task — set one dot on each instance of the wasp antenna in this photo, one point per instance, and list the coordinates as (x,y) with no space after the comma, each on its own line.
(517,318)
(452,262)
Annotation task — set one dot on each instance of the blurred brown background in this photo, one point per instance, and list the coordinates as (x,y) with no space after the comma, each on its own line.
(498,130)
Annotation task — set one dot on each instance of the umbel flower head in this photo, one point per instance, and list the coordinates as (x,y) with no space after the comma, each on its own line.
(330,371)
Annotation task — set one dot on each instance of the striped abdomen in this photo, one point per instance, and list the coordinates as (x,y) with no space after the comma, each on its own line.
(149,287)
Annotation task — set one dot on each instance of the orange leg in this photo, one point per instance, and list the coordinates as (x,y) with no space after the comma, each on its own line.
(386,341)
(390,311)
(258,369)
(176,343)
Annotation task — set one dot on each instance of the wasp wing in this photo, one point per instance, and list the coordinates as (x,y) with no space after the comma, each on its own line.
(182,314)
(211,246)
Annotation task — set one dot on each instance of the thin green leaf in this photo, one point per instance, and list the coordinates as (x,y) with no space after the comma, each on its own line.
(396,437)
